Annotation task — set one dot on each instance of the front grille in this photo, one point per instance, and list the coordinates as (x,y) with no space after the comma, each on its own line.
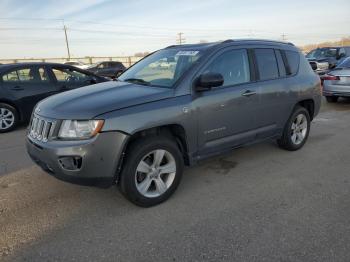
(41,129)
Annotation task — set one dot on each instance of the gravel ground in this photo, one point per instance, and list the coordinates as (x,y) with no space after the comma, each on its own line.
(258,203)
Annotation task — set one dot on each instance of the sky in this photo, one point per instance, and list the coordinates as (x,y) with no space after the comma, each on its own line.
(34,29)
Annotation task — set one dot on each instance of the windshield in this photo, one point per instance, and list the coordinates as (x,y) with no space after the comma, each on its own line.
(345,63)
(322,53)
(163,68)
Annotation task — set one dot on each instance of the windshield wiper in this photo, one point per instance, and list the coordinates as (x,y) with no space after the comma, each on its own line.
(137,81)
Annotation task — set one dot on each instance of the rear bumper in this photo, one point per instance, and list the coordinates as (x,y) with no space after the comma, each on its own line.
(99,158)
(335,90)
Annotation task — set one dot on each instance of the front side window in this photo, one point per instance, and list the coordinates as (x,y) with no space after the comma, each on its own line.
(162,68)
(267,64)
(233,65)
(69,75)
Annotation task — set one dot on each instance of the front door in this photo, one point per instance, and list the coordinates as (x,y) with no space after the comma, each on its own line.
(226,114)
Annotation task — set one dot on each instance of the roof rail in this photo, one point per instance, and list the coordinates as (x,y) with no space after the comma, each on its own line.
(170,46)
(258,40)
(227,41)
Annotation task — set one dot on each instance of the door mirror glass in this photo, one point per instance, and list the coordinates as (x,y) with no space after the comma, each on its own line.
(209,80)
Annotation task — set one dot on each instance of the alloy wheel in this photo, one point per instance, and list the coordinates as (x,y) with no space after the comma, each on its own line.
(7,118)
(155,173)
(299,129)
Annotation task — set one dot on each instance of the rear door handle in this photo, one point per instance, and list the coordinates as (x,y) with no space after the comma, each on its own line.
(17,88)
(249,93)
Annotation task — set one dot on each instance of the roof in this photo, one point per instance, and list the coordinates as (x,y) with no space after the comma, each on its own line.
(233,41)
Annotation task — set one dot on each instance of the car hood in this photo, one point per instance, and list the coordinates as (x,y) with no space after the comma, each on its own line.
(91,101)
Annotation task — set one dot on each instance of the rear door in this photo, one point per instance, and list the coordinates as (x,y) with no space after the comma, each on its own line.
(274,97)
(27,85)
(68,78)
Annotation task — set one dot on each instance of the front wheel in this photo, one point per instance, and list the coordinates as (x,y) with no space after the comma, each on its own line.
(152,170)
(296,130)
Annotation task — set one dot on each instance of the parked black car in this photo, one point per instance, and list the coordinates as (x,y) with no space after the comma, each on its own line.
(25,84)
(110,69)
(322,60)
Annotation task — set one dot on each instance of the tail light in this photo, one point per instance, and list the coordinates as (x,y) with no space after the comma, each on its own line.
(330,77)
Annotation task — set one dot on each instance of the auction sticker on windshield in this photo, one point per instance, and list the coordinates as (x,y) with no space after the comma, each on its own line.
(187,53)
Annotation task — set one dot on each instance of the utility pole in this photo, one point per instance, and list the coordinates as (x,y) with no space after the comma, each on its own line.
(284,37)
(65,33)
(180,39)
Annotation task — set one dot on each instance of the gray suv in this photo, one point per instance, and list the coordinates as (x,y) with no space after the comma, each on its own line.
(141,130)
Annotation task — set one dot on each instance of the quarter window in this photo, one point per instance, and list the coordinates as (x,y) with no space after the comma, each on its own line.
(267,64)
(233,66)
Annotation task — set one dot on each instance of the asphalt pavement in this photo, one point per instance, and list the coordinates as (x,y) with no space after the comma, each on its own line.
(258,203)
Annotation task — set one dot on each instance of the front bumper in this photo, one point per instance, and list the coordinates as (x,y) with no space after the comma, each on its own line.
(100,158)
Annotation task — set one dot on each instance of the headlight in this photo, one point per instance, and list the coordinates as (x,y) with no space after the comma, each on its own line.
(80,129)
(323,65)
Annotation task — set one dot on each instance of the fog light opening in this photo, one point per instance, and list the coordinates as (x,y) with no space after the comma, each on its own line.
(70,163)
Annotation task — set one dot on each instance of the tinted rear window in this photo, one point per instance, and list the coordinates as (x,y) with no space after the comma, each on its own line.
(292,62)
(267,64)
(281,66)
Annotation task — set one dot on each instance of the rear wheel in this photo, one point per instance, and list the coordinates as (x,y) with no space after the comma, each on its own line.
(296,130)
(8,118)
(332,99)
(152,170)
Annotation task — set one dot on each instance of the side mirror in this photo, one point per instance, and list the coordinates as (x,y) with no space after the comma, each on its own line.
(209,80)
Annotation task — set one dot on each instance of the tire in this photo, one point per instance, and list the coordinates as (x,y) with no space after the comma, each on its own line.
(332,99)
(296,130)
(140,179)
(8,118)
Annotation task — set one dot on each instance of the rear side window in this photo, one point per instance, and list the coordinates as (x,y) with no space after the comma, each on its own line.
(267,64)
(281,66)
(26,75)
(292,62)
(233,65)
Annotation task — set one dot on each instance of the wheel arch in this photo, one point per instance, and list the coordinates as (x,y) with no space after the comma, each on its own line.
(8,102)
(175,131)
(309,105)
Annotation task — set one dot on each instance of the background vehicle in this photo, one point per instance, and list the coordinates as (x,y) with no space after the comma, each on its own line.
(337,82)
(78,64)
(219,96)
(25,84)
(110,69)
(324,59)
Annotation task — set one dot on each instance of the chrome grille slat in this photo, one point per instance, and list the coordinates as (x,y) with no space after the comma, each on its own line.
(41,129)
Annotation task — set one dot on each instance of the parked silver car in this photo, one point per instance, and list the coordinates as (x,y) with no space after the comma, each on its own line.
(337,82)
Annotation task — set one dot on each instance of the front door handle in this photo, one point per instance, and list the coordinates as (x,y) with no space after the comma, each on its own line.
(249,93)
